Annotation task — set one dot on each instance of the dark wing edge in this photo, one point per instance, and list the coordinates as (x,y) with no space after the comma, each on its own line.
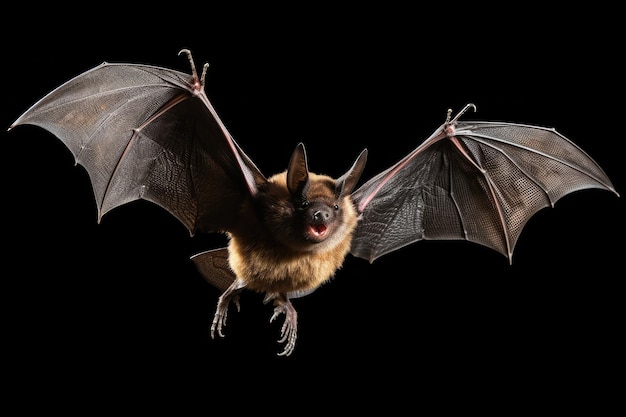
(480,181)
(214,267)
(145,132)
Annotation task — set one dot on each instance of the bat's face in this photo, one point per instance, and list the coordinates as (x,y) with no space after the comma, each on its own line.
(309,212)
(317,220)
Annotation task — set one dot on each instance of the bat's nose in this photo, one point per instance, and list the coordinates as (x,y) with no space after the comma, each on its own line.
(320,213)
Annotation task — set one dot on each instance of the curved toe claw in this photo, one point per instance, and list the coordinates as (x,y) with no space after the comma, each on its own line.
(219,321)
(289,330)
(221,313)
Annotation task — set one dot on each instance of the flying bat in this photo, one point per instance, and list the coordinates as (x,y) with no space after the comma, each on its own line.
(147,132)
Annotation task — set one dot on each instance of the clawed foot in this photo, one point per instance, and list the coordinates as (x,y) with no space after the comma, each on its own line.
(221,313)
(282,305)
(289,330)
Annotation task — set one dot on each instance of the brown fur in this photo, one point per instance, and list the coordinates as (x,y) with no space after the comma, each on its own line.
(267,263)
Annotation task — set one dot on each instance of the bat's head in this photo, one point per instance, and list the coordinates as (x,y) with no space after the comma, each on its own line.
(308,211)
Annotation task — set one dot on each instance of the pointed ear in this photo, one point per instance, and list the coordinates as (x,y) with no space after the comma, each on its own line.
(346,183)
(298,172)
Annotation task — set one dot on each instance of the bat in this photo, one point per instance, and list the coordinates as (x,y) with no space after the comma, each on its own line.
(151,133)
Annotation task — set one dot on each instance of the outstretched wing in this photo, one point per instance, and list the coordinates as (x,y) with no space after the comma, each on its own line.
(478,181)
(144,132)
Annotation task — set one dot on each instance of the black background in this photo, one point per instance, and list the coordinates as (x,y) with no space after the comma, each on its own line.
(95,313)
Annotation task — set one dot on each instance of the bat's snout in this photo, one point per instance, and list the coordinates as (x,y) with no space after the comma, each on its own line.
(319,220)
(321,215)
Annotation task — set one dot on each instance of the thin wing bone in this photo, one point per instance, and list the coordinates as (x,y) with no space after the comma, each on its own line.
(144,132)
(477,181)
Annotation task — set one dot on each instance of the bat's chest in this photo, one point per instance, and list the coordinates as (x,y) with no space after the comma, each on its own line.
(268,270)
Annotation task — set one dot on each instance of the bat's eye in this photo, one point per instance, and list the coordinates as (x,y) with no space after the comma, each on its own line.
(336,207)
(304,204)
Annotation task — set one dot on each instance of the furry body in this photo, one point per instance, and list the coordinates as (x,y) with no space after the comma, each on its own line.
(272,254)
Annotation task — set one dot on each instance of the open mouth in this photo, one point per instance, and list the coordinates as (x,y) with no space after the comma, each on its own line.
(318,230)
